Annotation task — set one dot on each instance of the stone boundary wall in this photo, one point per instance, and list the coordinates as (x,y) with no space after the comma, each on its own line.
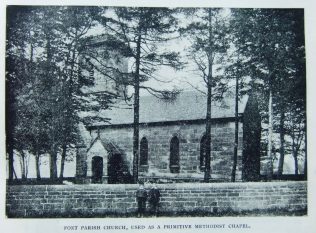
(191,199)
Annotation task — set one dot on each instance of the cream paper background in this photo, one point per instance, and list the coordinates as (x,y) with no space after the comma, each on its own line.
(258,224)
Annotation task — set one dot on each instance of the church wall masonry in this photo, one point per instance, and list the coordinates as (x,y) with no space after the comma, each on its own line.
(190,135)
(172,140)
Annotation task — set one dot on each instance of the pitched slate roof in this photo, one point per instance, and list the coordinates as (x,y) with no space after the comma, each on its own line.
(187,106)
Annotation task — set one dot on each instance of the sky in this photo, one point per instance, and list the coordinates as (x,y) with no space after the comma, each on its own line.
(185,79)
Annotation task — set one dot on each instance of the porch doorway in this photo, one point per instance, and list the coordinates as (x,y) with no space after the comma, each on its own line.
(116,169)
(97,169)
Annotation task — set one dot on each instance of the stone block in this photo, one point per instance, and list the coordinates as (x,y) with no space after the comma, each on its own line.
(174,197)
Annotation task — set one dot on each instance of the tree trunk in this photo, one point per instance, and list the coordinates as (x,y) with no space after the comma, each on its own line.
(233,178)
(53,150)
(305,162)
(14,173)
(23,165)
(10,121)
(11,160)
(62,163)
(295,163)
(27,166)
(282,142)
(207,172)
(294,153)
(37,165)
(136,110)
(53,163)
(270,132)
(67,116)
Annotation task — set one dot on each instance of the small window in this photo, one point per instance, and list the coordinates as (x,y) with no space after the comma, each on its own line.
(143,151)
(174,155)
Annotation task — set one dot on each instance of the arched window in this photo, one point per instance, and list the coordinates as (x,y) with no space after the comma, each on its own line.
(202,152)
(143,152)
(174,155)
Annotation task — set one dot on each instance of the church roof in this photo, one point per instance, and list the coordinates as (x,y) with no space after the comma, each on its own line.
(187,106)
(107,145)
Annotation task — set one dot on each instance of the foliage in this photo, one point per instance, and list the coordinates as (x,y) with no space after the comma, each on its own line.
(270,44)
(209,43)
(139,34)
(43,50)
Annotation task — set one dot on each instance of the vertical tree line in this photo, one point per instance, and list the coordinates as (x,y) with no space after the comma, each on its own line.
(138,33)
(271,44)
(208,34)
(43,82)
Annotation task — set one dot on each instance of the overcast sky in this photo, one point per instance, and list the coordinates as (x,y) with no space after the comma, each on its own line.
(184,79)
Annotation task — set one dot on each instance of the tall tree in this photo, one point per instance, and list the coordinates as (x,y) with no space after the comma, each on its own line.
(268,39)
(42,69)
(75,24)
(16,70)
(51,38)
(236,72)
(139,34)
(208,35)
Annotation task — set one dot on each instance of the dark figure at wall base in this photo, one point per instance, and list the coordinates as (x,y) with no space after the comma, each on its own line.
(153,199)
(141,197)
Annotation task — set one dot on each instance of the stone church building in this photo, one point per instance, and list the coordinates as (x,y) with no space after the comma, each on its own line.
(171,134)
(172,141)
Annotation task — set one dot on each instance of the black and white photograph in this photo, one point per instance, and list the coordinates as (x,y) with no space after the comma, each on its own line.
(155,114)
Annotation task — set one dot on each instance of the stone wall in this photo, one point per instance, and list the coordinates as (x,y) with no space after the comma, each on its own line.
(222,144)
(269,198)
